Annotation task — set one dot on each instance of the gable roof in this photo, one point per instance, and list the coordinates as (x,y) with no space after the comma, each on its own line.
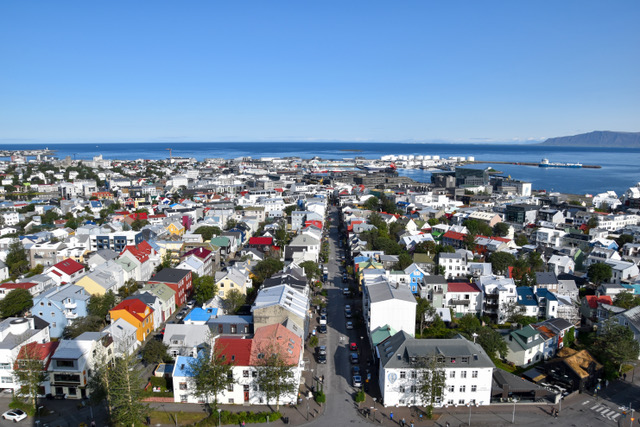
(462,287)
(69,266)
(593,300)
(170,275)
(234,350)
(135,307)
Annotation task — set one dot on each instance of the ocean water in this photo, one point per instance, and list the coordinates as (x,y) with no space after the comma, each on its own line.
(620,166)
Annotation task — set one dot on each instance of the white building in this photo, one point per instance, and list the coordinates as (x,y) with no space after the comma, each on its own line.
(468,370)
(463,298)
(498,293)
(386,303)
(455,264)
(14,333)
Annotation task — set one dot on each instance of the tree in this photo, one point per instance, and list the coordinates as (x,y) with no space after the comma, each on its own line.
(626,300)
(311,270)
(208,231)
(360,397)
(521,240)
(492,342)
(81,325)
(154,352)
(165,263)
(138,224)
(624,239)
(469,324)
(404,261)
(99,305)
(469,241)
(30,373)
(615,344)
(204,288)
(372,203)
(15,303)
(424,311)
(501,261)
(431,380)
(17,259)
(211,374)
(599,272)
(275,376)
(476,227)
(125,393)
(569,337)
(234,299)
(501,229)
(266,268)
(231,223)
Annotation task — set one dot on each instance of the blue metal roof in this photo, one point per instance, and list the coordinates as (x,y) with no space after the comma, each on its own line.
(201,314)
(526,296)
(182,366)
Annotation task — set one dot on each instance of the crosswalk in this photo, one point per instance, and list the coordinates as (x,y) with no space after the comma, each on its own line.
(606,412)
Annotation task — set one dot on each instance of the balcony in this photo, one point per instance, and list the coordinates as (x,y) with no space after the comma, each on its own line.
(70,305)
(70,315)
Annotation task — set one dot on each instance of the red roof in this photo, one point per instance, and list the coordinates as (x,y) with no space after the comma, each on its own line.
(454,235)
(593,300)
(235,350)
(39,351)
(462,287)
(69,266)
(140,255)
(24,285)
(261,241)
(135,307)
(199,252)
(266,337)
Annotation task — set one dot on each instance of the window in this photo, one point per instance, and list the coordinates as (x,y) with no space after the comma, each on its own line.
(451,388)
(231,401)
(460,401)
(401,389)
(403,374)
(465,360)
(230,388)
(452,374)
(254,374)
(413,389)
(450,402)
(463,374)
(245,374)
(220,329)
(183,398)
(183,386)
(474,388)
(453,360)
(474,374)
(414,374)
(463,388)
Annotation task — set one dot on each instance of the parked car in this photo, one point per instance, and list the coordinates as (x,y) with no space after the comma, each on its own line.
(357,381)
(323,311)
(346,291)
(355,370)
(321,349)
(347,313)
(349,324)
(353,347)
(322,329)
(191,304)
(323,319)
(15,415)
(353,357)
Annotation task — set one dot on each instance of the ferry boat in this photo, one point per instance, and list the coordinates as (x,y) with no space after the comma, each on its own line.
(546,164)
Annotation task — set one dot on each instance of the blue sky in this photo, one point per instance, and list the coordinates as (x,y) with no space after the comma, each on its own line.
(85,71)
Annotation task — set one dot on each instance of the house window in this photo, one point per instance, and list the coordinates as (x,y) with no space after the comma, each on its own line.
(474,388)
(230,388)
(413,389)
(453,360)
(452,374)
(452,388)
(220,329)
(474,374)
(183,386)
(245,374)
(460,401)
(401,389)
(403,374)
(465,360)
(231,401)
(234,329)
(254,374)
(463,374)
(183,398)
(414,374)
(450,402)
(463,388)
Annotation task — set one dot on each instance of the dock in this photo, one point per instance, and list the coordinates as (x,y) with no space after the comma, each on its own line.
(495,162)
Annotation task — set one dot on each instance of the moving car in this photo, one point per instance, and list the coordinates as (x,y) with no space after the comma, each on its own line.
(15,415)
(345,291)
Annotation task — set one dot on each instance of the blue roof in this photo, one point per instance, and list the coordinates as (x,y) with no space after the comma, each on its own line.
(95,203)
(635,287)
(233,318)
(526,296)
(182,366)
(545,293)
(360,259)
(201,314)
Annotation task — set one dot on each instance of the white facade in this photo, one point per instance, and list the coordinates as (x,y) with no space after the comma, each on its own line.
(498,293)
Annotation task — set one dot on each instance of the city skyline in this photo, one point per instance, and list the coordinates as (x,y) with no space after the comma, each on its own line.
(362,71)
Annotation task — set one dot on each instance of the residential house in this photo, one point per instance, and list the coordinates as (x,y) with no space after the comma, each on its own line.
(206,256)
(455,264)
(467,369)
(60,306)
(179,280)
(525,346)
(137,313)
(387,303)
(499,293)
(166,297)
(186,340)
(124,336)
(231,324)
(433,289)
(46,254)
(108,276)
(561,264)
(37,351)
(463,298)
(67,271)
(279,303)
(232,278)
(33,288)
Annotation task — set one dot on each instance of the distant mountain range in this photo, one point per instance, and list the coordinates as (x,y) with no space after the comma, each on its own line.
(597,139)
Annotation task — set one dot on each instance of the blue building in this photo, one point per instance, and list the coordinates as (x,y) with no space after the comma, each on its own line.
(61,306)
(415,277)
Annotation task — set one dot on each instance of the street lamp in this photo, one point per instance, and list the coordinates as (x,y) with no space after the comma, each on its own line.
(470,404)
(374,409)
(308,407)
(219,421)
(513,419)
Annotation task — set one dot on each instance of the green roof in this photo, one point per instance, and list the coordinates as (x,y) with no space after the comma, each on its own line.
(420,258)
(221,241)
(381,333)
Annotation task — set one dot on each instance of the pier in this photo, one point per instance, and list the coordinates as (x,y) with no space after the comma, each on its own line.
(495,162)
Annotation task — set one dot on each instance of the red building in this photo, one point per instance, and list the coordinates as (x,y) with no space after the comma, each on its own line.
(181,281)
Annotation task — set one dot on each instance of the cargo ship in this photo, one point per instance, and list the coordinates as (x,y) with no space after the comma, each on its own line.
(546,164)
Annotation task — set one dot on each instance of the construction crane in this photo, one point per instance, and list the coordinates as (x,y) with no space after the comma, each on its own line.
(169,152)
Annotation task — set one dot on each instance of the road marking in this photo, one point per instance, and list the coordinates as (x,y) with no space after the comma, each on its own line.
(604,408)
(585,402)
(594,407)
(608,413)
(615,416)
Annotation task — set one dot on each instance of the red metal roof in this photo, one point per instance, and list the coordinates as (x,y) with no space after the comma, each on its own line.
(24,285)
(199,252)
(462,287)
(454,235)
(278,336)
(261,241)
(593,300)
(235,350)
(39,351)
(135,307)
(69,266)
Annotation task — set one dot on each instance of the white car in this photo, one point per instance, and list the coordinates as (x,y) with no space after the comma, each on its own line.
(15,415)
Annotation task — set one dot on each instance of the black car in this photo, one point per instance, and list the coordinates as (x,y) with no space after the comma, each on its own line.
(322,329)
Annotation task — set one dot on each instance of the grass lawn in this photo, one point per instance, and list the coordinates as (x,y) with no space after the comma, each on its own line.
(500,364)
(183,418)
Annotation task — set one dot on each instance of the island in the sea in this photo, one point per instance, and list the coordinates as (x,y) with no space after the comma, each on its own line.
(605,139)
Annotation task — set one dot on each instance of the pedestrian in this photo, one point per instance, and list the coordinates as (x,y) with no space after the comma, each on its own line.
(402,422)
(556,414)
(391,416)
(242,423)
(411,423)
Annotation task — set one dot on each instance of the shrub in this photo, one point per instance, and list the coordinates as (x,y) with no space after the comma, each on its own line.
(248,417)
(313,341)
(320,397)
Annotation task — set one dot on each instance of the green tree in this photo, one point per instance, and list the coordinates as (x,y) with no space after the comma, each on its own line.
(404,261)
(208,231)
(501,261)
(469,324)
(626,300)
(289,209)
(154,352)
(501,229)
(81,325)
(231,223)
(204,288)
(431,380)
(233,300)
(16,303)
(424,311)
(624,239)
(275,377)
(99,305)
(615,344)
(30,373)
(138,224)
(360,397)
(17,259)
(476,227)
(311,270)
(521,239)
(266,268)
(569,337)
(492,342)
(372,203)
(599,272)
(125,393)
(211,374)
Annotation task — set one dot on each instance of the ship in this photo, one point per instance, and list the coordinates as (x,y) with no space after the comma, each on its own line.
(546,164)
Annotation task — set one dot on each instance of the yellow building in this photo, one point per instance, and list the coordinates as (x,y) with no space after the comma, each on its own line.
(136,313)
